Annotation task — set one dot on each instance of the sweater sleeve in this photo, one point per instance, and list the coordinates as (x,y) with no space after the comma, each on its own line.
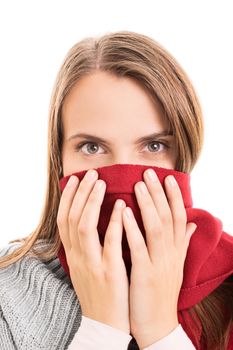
(176,340)
(6,339)
(93,335)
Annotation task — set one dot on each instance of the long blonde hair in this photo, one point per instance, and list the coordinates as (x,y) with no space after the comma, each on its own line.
(131,55)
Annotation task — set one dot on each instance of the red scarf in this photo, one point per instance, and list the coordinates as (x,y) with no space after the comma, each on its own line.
(209,259)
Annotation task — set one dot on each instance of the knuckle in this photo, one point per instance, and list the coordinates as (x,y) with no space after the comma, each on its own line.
(82,229)
(110,236)
(109,240)
(110,277)
(152,230)
(138,246)
(84,226)
(72,219)
(114,218)
(166,219)
(157,233)
(92,198)
(81,189)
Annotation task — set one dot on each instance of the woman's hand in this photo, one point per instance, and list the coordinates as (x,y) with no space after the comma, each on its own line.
(98,273)
(157,268)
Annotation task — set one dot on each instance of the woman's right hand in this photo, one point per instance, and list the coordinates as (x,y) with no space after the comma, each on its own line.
(98,273)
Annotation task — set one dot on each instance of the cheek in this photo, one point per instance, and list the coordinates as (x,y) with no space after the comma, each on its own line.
(171,159)
(69,163)
(170,162)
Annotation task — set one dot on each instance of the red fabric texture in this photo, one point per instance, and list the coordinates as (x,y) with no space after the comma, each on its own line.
(209,259)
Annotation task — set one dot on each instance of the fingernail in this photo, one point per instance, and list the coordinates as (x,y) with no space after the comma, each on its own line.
(128,213)
(99,185)
(151,175)
(90,175)
(119,204)
(72,180)
(142,188)
(171,181)
(194,227)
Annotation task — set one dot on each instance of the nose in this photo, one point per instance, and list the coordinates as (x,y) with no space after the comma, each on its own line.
(123,158)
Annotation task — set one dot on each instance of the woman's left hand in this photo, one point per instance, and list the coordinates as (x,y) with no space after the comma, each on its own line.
(157,265)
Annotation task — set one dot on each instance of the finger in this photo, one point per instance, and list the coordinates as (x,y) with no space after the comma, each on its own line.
(87,227)
(151,221)
(63,210)
(78,205)
(137,245)
(113,237)
(161,203)
(190,230)
(177,209)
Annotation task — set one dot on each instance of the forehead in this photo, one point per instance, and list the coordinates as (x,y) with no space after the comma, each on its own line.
(110,100)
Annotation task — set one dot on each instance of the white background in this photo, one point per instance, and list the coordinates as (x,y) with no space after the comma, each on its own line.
(34,38)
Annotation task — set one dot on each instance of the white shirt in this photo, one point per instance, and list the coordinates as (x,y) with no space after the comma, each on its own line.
(94,335)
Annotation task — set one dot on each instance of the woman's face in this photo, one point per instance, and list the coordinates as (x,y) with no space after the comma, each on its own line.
(110,120)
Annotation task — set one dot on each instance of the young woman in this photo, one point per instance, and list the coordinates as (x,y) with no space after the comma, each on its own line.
(125,121)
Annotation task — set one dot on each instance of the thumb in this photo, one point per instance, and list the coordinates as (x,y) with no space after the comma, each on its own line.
(190,229)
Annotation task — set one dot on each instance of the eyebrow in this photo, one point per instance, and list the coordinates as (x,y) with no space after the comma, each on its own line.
(140,140)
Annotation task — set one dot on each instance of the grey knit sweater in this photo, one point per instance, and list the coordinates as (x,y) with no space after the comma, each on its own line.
(39,308)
